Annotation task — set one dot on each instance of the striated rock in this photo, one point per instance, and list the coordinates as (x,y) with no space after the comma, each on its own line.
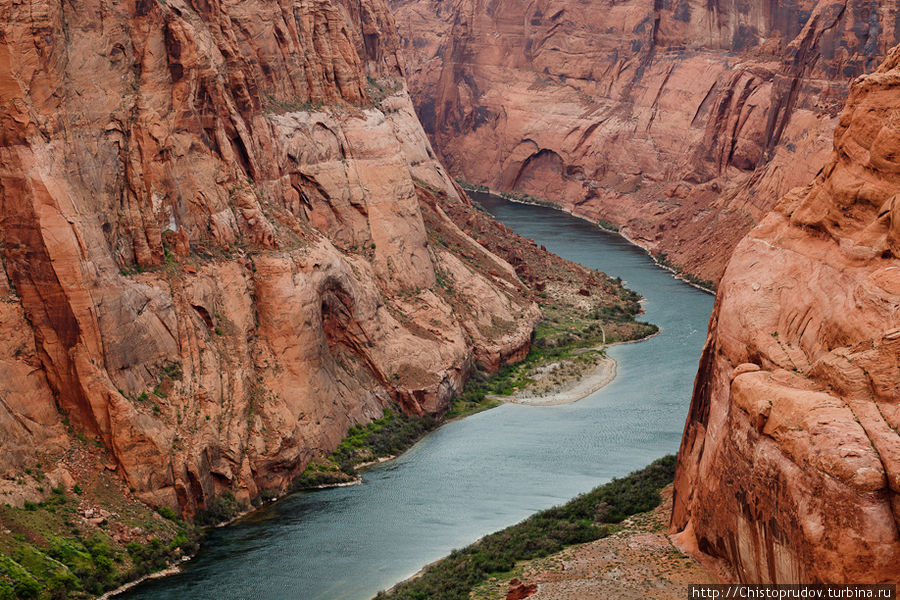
(214,259)
(789,469)
(680,121)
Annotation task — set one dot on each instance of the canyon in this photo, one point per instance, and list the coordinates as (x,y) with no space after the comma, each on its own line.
(687,124)
(225,241)
(228,236)
(679,121)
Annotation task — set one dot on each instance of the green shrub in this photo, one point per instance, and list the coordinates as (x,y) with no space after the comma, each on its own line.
(173,370)
(148,558)
(62,583)
(218,510)
(167,513)
(27,588)
(388,436)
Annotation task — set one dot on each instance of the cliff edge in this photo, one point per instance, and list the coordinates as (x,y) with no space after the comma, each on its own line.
(789,468)
(213,254)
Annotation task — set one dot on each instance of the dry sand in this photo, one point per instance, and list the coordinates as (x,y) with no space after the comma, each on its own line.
(572,391)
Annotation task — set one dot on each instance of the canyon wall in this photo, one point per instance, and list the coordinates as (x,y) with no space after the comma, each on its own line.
(679,120)
(789,468)
(213,254)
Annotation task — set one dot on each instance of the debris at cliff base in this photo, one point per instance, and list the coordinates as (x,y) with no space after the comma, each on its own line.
(636,562)
(84,535)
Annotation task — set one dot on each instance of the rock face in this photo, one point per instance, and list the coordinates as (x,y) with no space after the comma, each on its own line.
(520,591)
(789,469)
(679,120)
(213,256)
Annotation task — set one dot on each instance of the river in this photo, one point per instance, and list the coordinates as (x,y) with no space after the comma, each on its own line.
(476,475)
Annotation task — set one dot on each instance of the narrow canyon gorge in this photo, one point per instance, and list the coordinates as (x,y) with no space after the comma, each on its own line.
(233,233)
(680,121)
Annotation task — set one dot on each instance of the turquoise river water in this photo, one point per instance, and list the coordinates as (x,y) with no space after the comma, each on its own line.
(476,475)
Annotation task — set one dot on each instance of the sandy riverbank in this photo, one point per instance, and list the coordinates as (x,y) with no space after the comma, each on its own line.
(577,388)
(599,376)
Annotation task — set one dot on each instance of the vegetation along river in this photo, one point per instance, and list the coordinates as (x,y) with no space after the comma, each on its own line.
(478,474)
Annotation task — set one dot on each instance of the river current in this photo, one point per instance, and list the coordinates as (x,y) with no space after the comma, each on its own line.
(477,475)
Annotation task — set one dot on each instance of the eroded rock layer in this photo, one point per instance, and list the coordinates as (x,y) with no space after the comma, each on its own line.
(678,120)
(789,469)
(214,259)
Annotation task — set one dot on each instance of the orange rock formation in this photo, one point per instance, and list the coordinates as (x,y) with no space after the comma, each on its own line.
(213,256)
(681,120)
(789,469)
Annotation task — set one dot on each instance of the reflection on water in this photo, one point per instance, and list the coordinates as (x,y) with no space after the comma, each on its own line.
(476,475)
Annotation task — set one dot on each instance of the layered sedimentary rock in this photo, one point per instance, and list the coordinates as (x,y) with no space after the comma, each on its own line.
(214,260)
(789,469)
(678,120)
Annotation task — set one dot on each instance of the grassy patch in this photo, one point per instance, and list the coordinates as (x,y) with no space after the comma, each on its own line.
(587,518)
(607,225)
(567,328)
(388,436)
(474,397)
(275,106)
(51,553)
(473,187)
(562,335)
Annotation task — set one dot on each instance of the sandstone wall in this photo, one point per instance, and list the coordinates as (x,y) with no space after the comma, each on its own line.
(789,469)
(213,256)
(680,120)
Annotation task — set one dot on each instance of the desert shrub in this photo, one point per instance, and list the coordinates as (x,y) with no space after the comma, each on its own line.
(218,510)
(27,589)
(167,513)
(388,436)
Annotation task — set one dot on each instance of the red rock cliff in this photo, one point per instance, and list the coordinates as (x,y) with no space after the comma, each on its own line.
(213,255)
(789,469)
(679,120)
